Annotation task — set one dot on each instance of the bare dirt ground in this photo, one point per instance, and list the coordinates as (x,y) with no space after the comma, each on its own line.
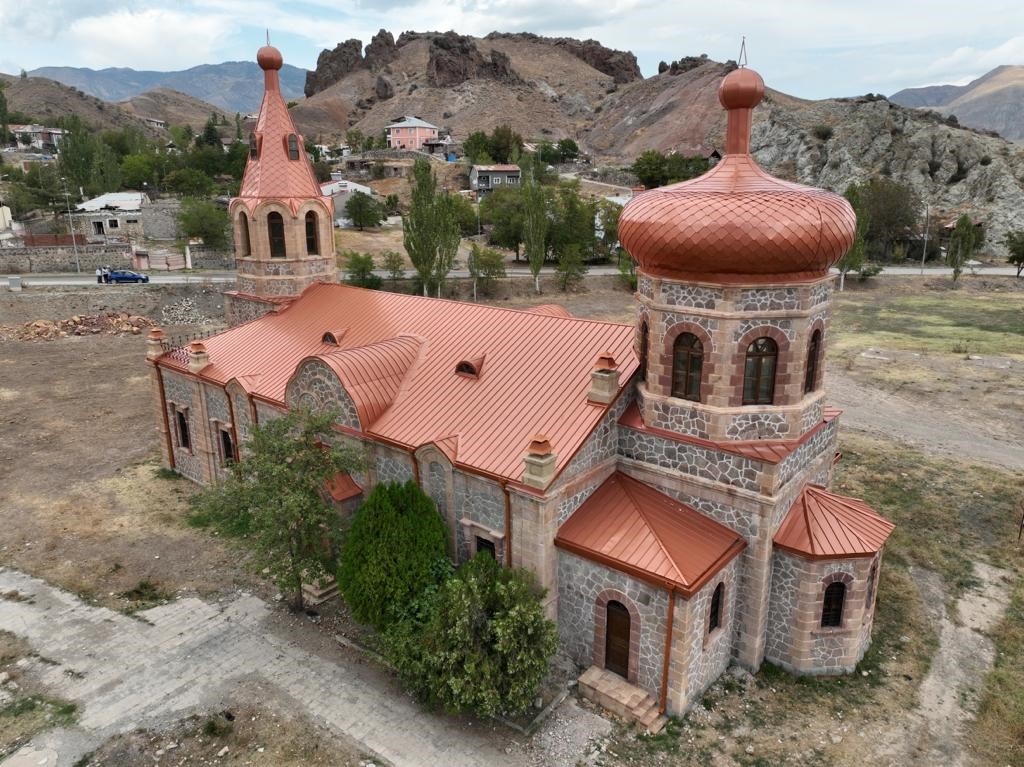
(80,505)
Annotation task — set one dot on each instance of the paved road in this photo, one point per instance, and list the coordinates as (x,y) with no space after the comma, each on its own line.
(195,278)
(125,674)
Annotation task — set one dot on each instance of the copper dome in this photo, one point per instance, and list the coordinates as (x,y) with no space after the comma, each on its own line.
(737,220)
(269,57)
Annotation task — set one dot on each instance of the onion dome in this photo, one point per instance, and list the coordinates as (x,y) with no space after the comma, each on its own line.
(269,57)
(737,222)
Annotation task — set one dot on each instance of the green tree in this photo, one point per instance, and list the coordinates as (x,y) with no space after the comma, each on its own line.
(548,153)
(392,261)
(465,214)
(650,168)
(505,144)
(189,182)
(391,552)
(485,266)
(893,211)
(477,147)
(204,219)
(568,150)
(431,233)
(360,270)
(853,260)
(1014,242)
(535,228)
(391,204)
(363,210)
(961,246)
(448,236)
(477,643)
(238,126)
(503,211)
(354,138)
(570,267)
(211,134)
(682,168)
(572,222)
(275,498)
(608,222)
(105,172)
(4,114)
(138,169)
(181,136)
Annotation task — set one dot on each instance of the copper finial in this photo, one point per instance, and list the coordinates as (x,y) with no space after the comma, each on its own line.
(741,60)
(605,362)
(539,445)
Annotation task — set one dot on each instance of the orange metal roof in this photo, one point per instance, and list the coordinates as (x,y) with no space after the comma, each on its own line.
(631,527)
(763,450)
(342,487)
(823,525)
(271,174)
(736,221)
(398,357)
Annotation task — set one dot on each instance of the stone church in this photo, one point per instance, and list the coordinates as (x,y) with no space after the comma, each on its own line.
(666,481)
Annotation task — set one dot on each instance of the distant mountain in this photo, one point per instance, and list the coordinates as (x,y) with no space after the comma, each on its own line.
(995,101)
(175,108)
(234,86)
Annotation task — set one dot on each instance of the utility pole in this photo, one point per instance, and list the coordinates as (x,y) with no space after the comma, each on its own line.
(924,250)
(71,224)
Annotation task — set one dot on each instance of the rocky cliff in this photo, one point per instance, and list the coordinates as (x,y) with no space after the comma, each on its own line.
(621,66)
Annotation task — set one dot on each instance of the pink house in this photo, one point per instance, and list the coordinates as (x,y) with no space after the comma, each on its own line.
(410,133)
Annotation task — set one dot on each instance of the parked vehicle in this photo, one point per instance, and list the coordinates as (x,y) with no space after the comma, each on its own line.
(126,275)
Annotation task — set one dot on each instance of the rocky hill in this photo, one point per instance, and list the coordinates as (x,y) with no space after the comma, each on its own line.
(174,108)
(47,100)
(232,86)
(995,101)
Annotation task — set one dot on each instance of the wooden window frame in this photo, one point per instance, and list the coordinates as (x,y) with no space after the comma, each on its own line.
(292,145)
(225,460)
(181,418)
(813,358)
(686,378)
(272,224)
(715,621)
(768,356)
(312,221)
(644,342)
(832,614)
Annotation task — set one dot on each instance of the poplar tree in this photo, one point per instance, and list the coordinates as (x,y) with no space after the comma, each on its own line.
(431,231)
(535,228)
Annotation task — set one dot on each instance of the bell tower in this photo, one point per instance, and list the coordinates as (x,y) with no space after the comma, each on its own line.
(282,222)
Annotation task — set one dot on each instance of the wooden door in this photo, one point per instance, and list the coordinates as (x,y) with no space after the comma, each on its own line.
(616,643)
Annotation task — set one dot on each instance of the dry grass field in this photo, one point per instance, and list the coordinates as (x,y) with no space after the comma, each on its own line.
(82,505)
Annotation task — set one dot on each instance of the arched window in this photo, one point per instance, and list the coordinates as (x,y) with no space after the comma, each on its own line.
(715,617)
(312,236)
(293,147)
(759,372)
(243,233)
(253,146)
(687,360)
(813,353)
(275,230)
(832,605)
(643,350)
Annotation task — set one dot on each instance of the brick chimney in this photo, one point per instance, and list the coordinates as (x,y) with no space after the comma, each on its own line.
(604,380)
(197,356)
(540,463)
(154,344)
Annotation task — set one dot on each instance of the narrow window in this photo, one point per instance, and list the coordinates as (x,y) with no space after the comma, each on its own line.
(227,447)
(293,147)
(245,248)
(832,606)
(687,361)
(759,372)
(486,546)
(312,240)
(715,619)
(253,147)
(643,350)
(872,578)
(275,230)
(813,352)
(181,421)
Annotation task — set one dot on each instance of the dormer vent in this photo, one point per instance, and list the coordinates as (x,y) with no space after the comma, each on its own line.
(332,337)
(470,367)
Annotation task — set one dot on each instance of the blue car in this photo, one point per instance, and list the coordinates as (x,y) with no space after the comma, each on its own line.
(118,276)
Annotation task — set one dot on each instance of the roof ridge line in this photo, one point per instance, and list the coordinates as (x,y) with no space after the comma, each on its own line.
(639,509)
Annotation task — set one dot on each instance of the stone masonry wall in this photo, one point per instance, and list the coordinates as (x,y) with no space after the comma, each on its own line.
(710,653)
(690,459)
(580,584)
(481,501)
(179,391)
(317,387)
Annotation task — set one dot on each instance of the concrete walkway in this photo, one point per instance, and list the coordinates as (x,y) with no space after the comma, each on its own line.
(126,673)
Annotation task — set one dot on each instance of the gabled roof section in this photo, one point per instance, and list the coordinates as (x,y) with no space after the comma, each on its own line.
(123,201)
(411,121)
(631,527)
(552,310)
(823,525)
(536,377)
(271,174)
(373,374)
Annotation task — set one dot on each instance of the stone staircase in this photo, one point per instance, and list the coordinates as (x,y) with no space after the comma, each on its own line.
(611,691)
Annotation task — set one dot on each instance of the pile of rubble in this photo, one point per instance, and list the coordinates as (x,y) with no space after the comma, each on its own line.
(184,312)
(108,323)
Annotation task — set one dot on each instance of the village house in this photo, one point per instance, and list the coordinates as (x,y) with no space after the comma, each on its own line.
(116,215)
(484,179)
(666,480)
(340,191)
(38,136)
(410,133)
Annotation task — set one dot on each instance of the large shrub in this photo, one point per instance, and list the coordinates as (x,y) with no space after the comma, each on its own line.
(479,642)
(391,551)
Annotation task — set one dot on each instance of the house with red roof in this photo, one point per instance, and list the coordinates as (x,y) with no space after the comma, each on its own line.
(665,480)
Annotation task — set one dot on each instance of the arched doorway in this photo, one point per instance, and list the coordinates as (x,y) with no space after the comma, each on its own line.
(616,643)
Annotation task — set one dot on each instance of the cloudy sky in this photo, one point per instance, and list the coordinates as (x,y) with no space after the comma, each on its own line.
(810,48)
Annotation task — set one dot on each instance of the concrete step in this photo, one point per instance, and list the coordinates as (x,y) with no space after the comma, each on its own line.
(612,692)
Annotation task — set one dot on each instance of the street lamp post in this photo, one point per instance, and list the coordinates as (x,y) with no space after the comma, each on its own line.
(71,224)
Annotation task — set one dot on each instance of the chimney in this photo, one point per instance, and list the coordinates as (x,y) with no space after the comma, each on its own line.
(540,463)
(604,380)
(154,344)
(197,357)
